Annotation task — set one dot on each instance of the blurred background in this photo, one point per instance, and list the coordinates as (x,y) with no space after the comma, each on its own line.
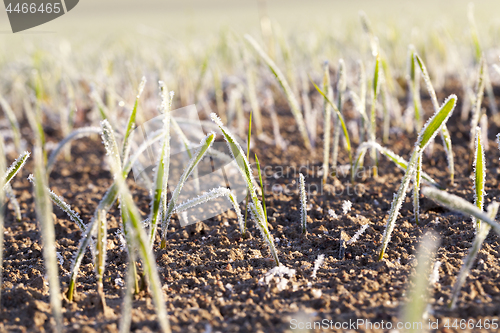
(188,18)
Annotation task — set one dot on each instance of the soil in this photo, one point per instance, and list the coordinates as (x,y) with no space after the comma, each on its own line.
(214,279)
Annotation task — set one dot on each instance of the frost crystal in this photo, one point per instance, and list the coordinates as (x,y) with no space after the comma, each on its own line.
(279,272)
(332,214)
(357,234)
(317,264)
(346,206)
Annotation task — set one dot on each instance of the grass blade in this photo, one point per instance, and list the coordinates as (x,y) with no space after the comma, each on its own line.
(303,203)
(416,189)
(398,160)
(14,168)
(479,176)
(341,88)
(341,118)
(481,234)
(398,201)
(263,189)
(458,204)
(248,157)
(210,195)
(163,165)
(44,216)
(255,206)
(445,134)
(3,165)
(415,309)
(435,123)
(373,118)
(327,118)
(204,146)
(134,229)
(76,134)
(14,124)
(131,122)
(292,100)
(9,193)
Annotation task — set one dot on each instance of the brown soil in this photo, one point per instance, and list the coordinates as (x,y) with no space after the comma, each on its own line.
(211,275)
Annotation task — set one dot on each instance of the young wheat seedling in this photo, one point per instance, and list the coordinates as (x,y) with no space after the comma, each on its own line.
(255,208)
(327,118)
(303,203)
(428,132)
(414,311)
(341,88)
(44,216)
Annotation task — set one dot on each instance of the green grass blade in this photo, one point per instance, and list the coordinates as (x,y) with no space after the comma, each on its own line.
(398,201)
(9,193)
(418,295)
(479,176)
(101,249)
(303,202)
(44,216)
(416,189)
(398,160)
(14,124)
(481,234)
(434,124)
(341,118)
(476,111)
(255,206)
(341,88)
(14,168)
(163,164)
(204,146)
(458,204)
(446,137)
(327,118)
(373,114)
(140,241)
(3,165)
(263,190)
(248,157)
(131,122)
(445,134)
(76,134)
(414,86)
(292,100)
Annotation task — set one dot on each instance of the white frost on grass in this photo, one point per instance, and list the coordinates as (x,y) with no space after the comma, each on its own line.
(346,206)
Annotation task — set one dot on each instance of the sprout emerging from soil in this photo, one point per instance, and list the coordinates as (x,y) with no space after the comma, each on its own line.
(303,203)
(429,131)
(255,207)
